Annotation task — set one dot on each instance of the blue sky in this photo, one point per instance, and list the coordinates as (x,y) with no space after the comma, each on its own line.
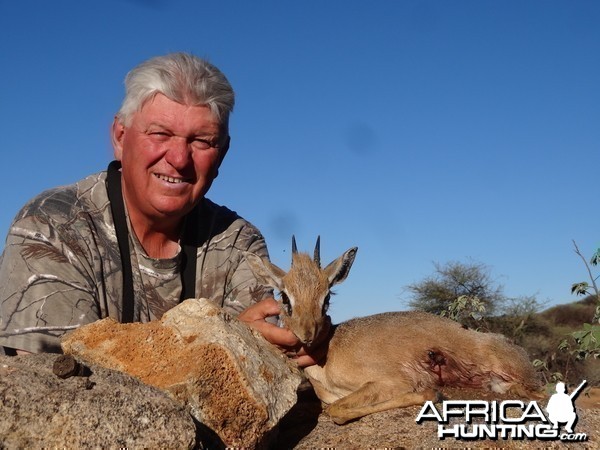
(419,131)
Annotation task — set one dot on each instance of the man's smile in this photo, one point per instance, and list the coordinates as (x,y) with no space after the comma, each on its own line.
(170,179)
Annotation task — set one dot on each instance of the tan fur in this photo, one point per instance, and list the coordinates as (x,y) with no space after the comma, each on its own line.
(394,359)
(305,281)
(391,352)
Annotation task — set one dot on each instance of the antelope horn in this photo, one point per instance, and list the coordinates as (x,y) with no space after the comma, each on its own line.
(318,252)
(294,248)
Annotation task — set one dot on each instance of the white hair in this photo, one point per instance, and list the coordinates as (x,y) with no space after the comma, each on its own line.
(183,78)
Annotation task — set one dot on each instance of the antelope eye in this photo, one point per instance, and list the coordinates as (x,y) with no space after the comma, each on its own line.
(326,304)
(287,306)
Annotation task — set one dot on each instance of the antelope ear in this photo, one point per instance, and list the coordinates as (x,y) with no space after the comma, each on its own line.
(264,271)
(338,270)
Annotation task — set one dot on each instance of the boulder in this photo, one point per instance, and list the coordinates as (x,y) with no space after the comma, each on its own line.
(233,380)
(106,409)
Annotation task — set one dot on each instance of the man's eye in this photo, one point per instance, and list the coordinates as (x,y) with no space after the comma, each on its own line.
(202,144)
(159,135)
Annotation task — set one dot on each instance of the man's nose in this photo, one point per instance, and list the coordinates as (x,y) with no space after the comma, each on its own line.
(179,152)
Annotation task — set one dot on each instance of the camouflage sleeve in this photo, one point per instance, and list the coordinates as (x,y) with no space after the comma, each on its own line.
(45,282)
(242,289)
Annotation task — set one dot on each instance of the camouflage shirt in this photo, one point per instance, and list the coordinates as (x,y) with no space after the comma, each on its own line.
(61,266)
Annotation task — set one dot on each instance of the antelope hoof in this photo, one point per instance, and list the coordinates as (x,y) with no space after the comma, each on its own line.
(432,395)
(439,397)
(338,419)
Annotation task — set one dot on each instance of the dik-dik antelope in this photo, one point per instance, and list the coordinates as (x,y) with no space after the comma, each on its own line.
(388,360)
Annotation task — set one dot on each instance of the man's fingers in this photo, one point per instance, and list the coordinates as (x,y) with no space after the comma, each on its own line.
(281,337)
(260,311)
(255,315)
(305,361)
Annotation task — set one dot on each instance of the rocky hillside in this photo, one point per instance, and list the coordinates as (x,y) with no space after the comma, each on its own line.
(541,333)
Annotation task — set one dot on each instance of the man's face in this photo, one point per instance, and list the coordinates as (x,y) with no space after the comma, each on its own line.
(170,154)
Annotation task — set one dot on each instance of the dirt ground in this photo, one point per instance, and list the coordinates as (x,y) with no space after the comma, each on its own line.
(307,427)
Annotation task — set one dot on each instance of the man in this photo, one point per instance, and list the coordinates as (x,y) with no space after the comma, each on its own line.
(560,407)
(132,242)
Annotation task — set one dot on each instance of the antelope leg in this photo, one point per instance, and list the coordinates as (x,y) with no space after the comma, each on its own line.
(374,397)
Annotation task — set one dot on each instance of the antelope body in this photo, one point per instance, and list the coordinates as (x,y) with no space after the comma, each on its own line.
(388,360)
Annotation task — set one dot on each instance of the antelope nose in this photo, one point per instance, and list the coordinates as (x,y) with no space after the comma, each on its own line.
(306,339)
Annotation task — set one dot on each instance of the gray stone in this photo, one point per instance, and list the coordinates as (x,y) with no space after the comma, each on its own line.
(231,378)
(108,409)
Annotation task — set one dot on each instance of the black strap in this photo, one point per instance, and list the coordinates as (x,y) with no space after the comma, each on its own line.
(117,207)
(190,244)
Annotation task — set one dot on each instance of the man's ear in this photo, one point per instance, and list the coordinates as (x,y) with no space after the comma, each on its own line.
(223,149)
(222,152)
(116,135)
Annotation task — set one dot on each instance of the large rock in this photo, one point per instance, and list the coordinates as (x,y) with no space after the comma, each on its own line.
(234,381)
(108,409)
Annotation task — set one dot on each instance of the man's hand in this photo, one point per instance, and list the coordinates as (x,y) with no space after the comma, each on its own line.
(255,315)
